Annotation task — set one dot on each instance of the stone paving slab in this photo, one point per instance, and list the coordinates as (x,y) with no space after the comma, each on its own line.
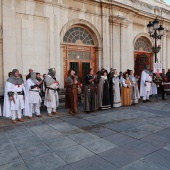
(19,165)
(8,156)
(60,143)
(144,165)
(119,157)
(98,146)
(161,156)
(126,138)
(74,153)
(94,163)
(33,150)
(47,161)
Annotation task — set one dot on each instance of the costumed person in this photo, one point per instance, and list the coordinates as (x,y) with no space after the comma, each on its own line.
(154,90)
(103,92)
(116,90)
(164,80)
(168,75)
(134,88)
(145,85)
(111,86)
(29,74)
(51,95)
(71,96)
(33,99)
(121,79)
(14,97)
(126,90)
(90,92)
(43,88)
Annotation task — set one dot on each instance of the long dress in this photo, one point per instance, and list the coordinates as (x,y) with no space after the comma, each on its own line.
(90,95)
(134,89)
(111,90)
(105,98)
(71,96)
(116,91)
(126,93)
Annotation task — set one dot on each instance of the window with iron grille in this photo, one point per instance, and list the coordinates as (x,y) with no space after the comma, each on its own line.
(78,35)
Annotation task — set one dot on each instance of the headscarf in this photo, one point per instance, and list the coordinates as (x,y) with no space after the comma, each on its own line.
(33,77)
(15,80)
(52,72)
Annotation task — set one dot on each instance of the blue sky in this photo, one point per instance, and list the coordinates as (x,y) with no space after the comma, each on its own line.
(167,1)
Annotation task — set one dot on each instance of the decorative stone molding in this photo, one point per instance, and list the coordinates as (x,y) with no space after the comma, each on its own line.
(143,35)
(85,23)
(117,20)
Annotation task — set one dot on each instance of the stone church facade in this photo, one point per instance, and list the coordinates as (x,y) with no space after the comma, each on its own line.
(78,34)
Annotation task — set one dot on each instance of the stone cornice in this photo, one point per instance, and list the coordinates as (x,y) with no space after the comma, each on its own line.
(119,20)
(131,6)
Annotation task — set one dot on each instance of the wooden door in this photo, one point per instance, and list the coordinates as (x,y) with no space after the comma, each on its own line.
(140,60)
(80,59)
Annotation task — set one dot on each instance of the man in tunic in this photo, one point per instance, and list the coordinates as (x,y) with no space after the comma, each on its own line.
(51,95)
(145,85)
(14,101)
(33,99)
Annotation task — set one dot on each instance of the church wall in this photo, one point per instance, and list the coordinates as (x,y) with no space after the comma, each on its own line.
(33,30)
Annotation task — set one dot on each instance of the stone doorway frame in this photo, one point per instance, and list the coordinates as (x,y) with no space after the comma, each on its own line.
(96,36)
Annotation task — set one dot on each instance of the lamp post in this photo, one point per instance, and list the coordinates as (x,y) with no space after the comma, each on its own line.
(155,31)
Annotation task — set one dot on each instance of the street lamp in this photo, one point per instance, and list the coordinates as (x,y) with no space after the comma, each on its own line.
(155,31)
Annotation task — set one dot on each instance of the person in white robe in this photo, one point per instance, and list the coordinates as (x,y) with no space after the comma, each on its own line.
(134,88)
(51,94)
(116,90)
(145,85)
(14,97)
(33,98)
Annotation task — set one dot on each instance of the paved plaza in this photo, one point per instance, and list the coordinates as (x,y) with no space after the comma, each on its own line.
(126,138)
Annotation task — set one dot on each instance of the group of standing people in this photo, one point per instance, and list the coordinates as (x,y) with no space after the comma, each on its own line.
(25,99)
(105,90)
(102,90)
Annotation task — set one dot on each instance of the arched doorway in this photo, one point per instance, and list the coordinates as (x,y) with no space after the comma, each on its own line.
(80,51)
(142,55)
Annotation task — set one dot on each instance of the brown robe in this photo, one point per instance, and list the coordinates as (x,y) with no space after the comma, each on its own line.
(71,96)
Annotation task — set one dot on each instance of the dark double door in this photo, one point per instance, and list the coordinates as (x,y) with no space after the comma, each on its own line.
(81,69)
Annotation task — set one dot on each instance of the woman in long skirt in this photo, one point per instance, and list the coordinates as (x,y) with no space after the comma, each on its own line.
(90,92)
(134,88)
(116,90)
(126,90)
(71,99)
(103,91)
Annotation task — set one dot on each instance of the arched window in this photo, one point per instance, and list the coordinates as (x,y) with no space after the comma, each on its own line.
(142,45)
(78,35)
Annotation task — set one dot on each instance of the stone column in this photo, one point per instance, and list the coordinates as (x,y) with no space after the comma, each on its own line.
(63,65)
(99,57)
(167,52)
(119,42)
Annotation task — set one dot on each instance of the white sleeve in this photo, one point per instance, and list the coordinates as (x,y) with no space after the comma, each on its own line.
(143,77)
(123,83)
